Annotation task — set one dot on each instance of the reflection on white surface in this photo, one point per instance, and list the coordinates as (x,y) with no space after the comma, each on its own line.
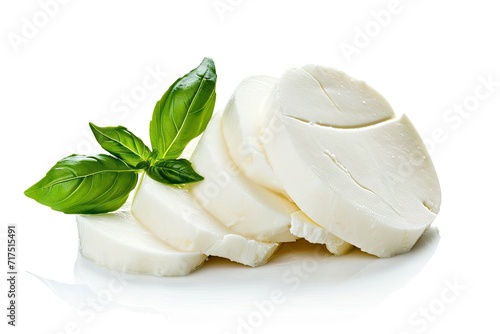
(300,275)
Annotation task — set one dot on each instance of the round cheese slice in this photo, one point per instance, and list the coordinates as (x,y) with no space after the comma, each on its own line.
(239,203)
(117,241)
(348,163)
(241,121)
(175,217)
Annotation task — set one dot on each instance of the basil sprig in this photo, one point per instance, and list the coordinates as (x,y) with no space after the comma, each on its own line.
(81,184)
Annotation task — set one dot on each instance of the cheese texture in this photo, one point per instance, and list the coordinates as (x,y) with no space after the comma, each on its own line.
(241,121)
(348,162)
(175,217)
(241,125)
(243,206)
(118,241)
(303,227)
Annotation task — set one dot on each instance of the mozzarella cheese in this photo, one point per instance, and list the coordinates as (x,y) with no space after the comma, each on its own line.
(241,124)
(348,163)
(242,205)
(118,241)
(324,96)
(303,227)
(175,217)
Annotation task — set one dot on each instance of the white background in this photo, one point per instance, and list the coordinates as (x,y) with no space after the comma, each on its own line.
(426,57)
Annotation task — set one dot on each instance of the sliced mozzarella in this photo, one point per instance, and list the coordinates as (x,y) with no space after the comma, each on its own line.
(304,227)
(368,181)
(242,205)
(175,217)
(118,241)
(241,124)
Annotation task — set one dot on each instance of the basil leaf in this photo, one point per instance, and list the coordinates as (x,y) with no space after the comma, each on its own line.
(85,184)
(123,144)
(184,111)
(171,171)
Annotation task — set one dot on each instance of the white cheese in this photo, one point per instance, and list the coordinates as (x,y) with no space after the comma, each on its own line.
(347,163)
(118,241)
(242,205)
(320,95)
(175,217)
(241,121)
(304,227)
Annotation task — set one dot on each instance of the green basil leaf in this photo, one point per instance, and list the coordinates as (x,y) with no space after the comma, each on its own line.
(172,171)
(123,144)
(85,184)
(184,111)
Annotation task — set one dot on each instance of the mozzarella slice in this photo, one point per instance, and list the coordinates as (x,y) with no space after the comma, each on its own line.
(303,227)
(175,217)
(241,124)
(242,205)
(118,241)
(369,181)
